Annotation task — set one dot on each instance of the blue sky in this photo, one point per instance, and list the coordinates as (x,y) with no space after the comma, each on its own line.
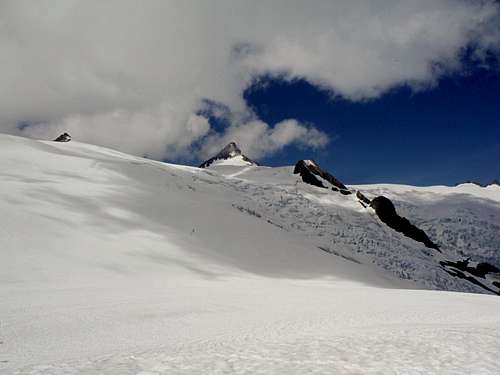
(443,135)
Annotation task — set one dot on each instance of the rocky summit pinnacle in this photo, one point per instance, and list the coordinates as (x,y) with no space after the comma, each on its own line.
(65,137)
(230,151)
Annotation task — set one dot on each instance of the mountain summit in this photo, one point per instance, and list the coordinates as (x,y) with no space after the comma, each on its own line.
(229,155)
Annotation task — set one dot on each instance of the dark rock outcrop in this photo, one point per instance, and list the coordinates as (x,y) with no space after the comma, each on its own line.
(486,268)
(362,198)
(230,151)
(65,137)
(462,269)
(312,174)
(480,270)
(482,275)
(386,211)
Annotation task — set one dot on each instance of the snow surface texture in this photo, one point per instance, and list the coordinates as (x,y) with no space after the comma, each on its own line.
(113,264)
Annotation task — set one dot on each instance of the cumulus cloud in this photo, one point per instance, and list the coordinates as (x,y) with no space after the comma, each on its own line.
(258,139)
(367,48)
(150,133)
(134,75)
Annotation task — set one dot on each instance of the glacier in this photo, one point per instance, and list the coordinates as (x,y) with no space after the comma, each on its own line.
(116,264)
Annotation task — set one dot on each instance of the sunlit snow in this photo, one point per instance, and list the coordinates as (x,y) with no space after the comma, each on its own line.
(113,264)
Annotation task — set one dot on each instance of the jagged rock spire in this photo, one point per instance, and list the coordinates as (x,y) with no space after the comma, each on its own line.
(230,151)
(65,137)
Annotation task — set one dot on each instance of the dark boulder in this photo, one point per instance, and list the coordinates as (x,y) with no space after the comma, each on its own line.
(386,212)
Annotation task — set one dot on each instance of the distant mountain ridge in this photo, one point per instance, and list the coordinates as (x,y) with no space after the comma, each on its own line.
(494,182)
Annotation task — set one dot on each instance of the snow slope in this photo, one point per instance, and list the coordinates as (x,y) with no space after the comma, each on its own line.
(113,264)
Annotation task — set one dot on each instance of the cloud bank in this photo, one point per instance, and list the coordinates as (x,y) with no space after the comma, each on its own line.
(133,75)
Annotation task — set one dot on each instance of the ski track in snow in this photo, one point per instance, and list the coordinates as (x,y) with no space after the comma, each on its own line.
(113,264)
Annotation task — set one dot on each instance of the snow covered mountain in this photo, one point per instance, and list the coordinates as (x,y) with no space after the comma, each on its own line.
(115,264)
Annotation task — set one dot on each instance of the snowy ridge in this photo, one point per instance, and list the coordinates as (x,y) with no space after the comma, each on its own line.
(341,225)
(120,265)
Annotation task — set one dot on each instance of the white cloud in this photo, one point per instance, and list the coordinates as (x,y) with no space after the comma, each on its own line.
(152,133)
(257,139)
(366,48)
(132,74)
